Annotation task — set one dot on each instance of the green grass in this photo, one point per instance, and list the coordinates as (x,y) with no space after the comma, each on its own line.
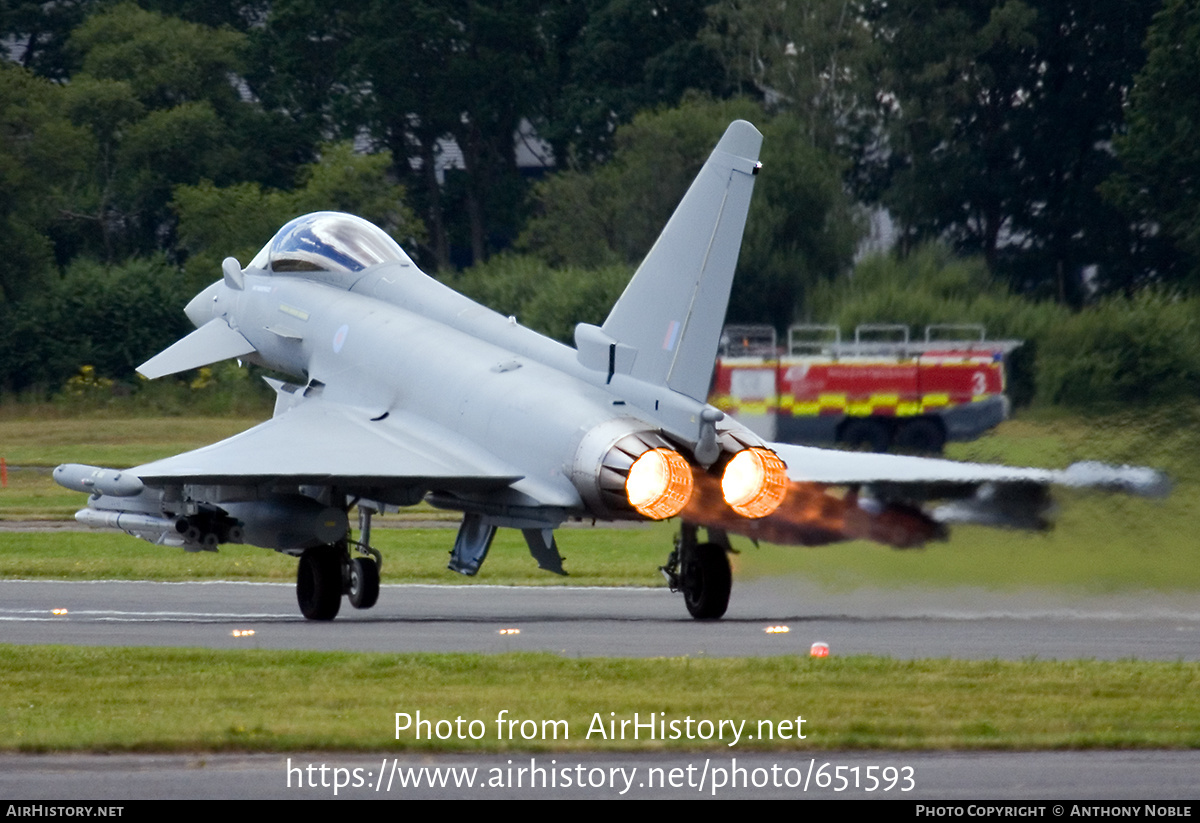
(1164,438)
(118,442)
(1079,555)
(31,447)
(1099,545)
(97,699)
(1102,543)
(596,557)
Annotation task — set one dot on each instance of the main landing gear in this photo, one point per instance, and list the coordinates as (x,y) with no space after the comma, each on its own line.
(701,571)
(362,590)
(328,572)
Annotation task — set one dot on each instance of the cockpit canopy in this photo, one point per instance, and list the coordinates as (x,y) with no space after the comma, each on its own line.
(328,241)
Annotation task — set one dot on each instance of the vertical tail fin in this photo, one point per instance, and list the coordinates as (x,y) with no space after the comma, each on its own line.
(672,310)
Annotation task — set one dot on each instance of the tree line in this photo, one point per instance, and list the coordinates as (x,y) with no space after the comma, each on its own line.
(142,142)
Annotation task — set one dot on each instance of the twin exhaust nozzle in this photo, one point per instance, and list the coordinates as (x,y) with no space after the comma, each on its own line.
(754,483)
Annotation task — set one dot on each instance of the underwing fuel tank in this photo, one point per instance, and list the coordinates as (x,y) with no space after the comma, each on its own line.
(96,480)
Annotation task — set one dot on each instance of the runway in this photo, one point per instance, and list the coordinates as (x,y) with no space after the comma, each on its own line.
(901,623)
(1057,783)
(904,623)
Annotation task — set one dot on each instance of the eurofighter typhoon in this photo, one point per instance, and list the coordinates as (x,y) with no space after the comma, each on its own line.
(401,390)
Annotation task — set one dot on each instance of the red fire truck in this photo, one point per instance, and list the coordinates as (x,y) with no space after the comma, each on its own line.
(880,391)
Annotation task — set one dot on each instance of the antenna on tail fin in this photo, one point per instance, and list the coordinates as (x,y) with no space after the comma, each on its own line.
(671,313)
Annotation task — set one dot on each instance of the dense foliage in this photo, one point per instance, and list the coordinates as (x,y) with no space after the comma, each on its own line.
(1048,143)
(1115,352)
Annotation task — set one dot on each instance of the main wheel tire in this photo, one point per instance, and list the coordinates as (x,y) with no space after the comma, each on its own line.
(707,581)
(921,435)
(866,435)
(364,583)
(319,583)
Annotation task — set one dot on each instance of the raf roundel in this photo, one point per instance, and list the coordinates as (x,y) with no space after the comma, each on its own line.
(339,338)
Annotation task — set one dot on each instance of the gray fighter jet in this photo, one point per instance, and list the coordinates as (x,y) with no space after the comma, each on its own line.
(402,390)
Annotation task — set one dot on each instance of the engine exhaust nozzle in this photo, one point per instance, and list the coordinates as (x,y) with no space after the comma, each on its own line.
(659,484)
(755,482)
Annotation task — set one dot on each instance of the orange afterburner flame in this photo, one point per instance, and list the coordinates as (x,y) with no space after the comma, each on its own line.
(755,482)
(659,484)
(811,514)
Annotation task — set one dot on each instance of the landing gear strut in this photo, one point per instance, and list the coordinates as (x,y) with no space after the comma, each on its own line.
(327,572)
(362,575)
(701,571)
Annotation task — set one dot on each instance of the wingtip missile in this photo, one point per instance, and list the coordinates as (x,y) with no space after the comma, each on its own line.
(1138,480)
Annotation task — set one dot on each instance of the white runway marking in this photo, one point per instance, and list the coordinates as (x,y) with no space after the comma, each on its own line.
(102,615)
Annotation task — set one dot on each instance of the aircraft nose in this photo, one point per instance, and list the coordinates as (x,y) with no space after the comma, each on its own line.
(202,307)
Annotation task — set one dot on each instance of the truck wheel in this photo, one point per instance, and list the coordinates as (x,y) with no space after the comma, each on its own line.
(921,435)
(866,435)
